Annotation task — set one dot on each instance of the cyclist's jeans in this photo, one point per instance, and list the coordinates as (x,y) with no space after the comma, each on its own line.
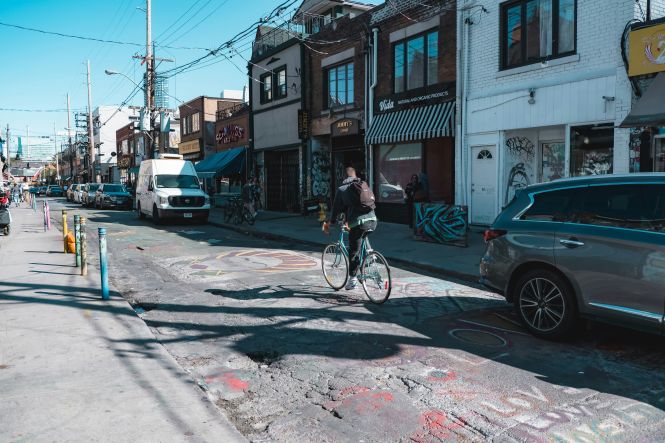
(355,240)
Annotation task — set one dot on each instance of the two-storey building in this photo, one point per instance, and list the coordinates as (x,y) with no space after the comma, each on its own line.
(543,90)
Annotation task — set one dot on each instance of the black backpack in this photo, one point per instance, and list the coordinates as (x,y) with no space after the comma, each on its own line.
(362,197)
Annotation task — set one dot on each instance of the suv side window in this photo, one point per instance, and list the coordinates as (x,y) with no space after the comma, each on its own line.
(633,206)
(552,206)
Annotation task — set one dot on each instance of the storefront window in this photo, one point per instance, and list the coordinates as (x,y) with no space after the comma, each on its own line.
(552,161)
(395,164)
(591,150)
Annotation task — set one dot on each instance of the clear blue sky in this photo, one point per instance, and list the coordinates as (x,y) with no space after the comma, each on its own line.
(38,70)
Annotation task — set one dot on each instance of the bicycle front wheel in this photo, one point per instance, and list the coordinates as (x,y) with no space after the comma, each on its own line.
(375,277)
(335,266)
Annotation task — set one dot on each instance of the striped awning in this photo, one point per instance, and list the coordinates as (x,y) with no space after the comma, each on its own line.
(412,124)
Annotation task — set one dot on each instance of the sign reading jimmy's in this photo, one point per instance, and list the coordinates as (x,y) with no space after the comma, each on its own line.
(442,92)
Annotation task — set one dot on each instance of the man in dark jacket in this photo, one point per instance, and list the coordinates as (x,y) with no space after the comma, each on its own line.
(358,221)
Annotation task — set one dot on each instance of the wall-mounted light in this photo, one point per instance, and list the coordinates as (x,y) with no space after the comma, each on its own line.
(532,95)
(586,140)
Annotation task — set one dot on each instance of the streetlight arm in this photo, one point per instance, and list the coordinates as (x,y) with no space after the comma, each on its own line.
(111,72)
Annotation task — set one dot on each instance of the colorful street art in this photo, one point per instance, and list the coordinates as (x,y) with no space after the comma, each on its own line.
(521,154)
(441,223)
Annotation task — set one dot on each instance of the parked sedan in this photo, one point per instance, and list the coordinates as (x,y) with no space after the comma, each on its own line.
(42,190)
(111,195)
(54,191)
(88,194)
(71,191)
(588,247)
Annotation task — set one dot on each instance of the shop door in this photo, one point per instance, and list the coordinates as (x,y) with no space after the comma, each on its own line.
(483,184)
(283,172)
(341,160)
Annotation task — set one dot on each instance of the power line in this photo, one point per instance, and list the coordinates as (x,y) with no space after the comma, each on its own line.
(36,110)
(79,37)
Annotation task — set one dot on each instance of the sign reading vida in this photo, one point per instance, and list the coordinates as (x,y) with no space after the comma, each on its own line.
(418,97)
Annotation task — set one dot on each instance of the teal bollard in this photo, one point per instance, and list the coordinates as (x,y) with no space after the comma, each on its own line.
(103,264)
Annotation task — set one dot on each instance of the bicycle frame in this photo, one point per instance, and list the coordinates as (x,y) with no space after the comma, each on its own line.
(364,246)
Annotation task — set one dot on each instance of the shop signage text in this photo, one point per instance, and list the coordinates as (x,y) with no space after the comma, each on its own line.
(303,124)
(189,147)
(408,99)
(230,134)
(647,50)
(345,126)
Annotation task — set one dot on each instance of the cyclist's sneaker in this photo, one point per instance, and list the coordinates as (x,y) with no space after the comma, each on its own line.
(352,284)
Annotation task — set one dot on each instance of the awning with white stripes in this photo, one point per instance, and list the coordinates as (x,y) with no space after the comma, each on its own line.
(412,124)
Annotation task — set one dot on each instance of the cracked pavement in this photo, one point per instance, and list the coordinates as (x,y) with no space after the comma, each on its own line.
(288,359)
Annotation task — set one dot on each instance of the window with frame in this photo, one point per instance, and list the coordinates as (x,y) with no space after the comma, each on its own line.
(416,62)
(266,87)
(536,30)
(280,83)
(195,122)
(340,88)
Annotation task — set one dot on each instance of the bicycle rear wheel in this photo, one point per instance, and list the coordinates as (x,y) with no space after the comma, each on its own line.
(248,216)
(375,277)
(335,266)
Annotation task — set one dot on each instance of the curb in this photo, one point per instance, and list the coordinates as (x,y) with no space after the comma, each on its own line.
(462,276)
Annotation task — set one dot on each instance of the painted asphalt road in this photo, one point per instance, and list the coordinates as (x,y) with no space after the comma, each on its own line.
(290,360)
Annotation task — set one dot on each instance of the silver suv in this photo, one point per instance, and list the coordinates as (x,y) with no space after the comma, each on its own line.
(585,247)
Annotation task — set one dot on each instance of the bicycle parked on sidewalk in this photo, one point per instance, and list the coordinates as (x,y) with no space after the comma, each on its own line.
(374,272)
(236,212)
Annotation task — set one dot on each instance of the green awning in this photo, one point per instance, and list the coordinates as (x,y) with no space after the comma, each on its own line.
(134,170)
(226,163)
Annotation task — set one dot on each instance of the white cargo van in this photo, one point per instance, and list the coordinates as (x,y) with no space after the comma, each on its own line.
(168,187)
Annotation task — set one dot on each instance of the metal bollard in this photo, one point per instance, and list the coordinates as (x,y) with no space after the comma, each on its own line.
(77,238)
(84,247)
(64,229)
(103,264)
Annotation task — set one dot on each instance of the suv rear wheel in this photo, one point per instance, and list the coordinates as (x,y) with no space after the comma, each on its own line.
(546,305)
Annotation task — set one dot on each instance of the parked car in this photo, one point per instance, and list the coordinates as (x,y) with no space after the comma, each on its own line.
(54,191)
(590,247)
(70,192)
(112,195)
(42,190)
(168,187)
(88,194)
(34,190)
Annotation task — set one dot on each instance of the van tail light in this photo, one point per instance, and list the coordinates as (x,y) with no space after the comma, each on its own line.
(491,234)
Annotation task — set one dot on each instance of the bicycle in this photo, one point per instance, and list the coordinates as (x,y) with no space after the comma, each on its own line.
(373,273)
(235,211)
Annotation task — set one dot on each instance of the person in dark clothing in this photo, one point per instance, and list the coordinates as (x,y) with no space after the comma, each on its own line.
(358,221)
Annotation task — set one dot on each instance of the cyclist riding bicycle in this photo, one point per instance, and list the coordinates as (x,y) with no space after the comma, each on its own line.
(355,200)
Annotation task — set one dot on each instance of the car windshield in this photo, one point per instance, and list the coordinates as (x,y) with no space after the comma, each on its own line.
(114,188)
(55,188)
(177,181)
(93,187)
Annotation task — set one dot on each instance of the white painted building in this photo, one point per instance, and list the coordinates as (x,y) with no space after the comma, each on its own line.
(108,119)
(542,86)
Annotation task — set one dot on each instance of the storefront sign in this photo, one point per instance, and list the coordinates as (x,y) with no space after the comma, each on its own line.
(189,147)
(345,126)
(419,97)
(230,134)
(303,124)
(647,50)
(124,162)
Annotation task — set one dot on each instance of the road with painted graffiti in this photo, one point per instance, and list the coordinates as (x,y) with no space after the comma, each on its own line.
(287,359)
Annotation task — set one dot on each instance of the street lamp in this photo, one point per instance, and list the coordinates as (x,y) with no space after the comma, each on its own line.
(149,132)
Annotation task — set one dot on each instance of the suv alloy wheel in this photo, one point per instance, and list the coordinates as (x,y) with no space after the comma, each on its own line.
(546,304)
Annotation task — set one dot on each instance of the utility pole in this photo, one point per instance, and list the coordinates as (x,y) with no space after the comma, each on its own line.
(27,140)
(91,137)
(149,80)
(57,161)
(9,160)
(69,136)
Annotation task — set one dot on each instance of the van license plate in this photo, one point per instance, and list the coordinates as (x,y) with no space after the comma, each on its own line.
(187,215)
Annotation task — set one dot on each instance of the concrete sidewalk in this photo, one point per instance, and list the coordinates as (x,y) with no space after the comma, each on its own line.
(72,367)
(396,242)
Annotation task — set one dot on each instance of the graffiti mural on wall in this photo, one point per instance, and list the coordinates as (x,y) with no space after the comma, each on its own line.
(321,174)
(441,223)
(638,137)
(553,163)
(523,152)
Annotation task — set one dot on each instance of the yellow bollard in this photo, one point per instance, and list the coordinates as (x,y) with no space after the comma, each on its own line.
(64,229)
(322,212)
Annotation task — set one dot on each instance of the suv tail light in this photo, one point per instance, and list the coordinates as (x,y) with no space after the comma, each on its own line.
(491,234)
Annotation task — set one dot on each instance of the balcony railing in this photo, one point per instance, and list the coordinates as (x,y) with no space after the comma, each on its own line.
(223,114)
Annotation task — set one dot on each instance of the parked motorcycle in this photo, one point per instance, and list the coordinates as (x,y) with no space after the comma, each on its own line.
(5,215)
